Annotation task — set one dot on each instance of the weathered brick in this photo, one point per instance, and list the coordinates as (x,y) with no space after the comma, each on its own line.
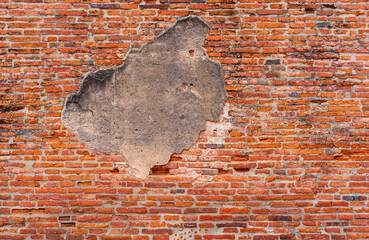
(288,160)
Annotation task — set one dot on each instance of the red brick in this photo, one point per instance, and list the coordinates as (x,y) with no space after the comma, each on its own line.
(287,161)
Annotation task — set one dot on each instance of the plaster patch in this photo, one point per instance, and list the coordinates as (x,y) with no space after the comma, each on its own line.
(153,105)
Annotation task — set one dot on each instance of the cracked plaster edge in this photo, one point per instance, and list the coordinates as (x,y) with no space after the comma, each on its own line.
(121,67)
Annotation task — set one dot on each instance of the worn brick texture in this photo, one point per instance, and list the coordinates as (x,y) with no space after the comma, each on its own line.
(288,160)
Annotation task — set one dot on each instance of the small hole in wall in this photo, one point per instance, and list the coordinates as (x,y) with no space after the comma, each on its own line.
(68,225)
(159,170)
(64,218)
(241,169)
(191,52)
(115,171)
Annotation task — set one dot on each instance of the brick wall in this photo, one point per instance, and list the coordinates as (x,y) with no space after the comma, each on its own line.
(289,159)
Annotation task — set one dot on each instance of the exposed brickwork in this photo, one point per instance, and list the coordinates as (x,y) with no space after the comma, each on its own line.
(289,159)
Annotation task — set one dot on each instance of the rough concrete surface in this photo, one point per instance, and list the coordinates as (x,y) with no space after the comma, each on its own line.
(153,105)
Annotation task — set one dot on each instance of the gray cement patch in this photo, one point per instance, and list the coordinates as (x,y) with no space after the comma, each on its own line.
(153,105)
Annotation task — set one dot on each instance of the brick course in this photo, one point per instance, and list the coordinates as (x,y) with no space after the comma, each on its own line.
(288,160)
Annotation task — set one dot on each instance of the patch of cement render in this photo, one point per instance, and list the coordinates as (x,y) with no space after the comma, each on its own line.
(153,105)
